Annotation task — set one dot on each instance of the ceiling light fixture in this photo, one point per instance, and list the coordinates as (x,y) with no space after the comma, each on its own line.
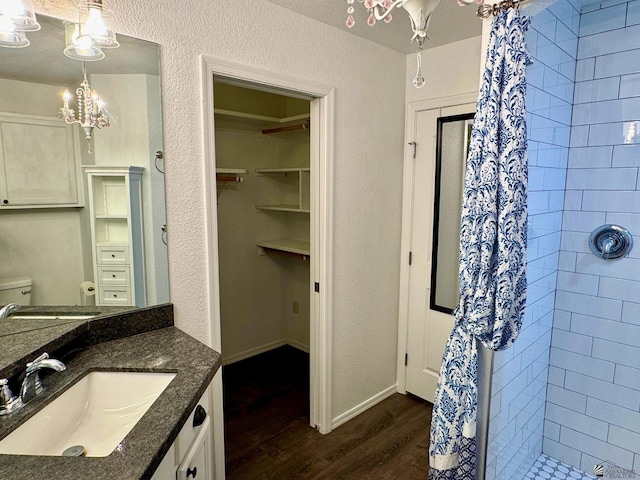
(419,12)
(79,49)
(95,24)
(91,112)
(16,18)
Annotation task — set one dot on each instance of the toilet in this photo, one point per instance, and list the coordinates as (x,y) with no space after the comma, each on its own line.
(15,290)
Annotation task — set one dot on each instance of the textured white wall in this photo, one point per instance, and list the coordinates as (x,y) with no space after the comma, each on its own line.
(369,82)
(452,69)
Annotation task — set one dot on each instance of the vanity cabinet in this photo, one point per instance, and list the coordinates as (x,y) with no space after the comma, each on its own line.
(115,209)
(39,163)
(190,456)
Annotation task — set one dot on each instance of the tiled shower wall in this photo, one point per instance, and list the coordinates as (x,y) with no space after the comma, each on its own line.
(519,381)
(593,398)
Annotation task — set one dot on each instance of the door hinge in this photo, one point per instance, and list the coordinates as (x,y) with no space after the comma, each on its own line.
(316,287)
(414,145)
(406,359)
(410,257)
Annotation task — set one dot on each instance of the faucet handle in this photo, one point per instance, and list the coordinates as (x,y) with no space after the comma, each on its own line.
(8,401)
(44,356)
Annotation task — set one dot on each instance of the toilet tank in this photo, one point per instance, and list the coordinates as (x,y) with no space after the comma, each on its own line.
(15,290)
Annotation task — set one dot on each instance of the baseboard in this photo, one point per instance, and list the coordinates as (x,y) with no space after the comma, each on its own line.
(298,345)
(367,404)
(262,349)
(252,352)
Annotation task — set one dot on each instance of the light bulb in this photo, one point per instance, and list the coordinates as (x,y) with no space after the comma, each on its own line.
(95,24)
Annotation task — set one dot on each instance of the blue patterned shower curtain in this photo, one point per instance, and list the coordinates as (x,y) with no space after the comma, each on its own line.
(492,248)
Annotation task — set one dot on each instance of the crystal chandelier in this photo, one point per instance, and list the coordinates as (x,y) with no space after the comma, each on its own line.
(419,12)
(91,112)
(16,18)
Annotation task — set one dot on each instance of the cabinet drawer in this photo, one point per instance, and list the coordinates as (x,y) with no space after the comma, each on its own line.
(115,295)
(196,463)
(117,275)
(113,255)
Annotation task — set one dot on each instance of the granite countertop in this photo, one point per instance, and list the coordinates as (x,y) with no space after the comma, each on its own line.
(137,457)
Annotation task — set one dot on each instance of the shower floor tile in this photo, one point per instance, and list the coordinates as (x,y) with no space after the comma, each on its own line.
(548,468)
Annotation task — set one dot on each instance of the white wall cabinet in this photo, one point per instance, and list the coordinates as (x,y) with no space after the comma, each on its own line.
(115,208)
(190,457)
(39,163)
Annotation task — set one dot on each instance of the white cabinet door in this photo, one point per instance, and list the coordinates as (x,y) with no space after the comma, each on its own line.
(38,162)
(167,468)
(196,465)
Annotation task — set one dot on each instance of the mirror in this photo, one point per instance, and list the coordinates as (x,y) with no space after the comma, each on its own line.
(454,134)
(50,241)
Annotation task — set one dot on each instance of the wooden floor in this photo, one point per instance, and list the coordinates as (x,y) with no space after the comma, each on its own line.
(267,432)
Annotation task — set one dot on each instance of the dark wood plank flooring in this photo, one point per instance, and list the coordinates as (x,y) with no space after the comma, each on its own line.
(267,432)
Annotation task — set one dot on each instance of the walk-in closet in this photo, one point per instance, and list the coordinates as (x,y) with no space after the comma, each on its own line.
(262,148)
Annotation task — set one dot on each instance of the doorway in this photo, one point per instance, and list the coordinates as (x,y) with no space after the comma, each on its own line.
(425,319)
(320,172)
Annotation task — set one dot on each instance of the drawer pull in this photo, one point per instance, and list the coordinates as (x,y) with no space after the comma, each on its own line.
(193,472)
(199,416)
(113,255)
(113,275)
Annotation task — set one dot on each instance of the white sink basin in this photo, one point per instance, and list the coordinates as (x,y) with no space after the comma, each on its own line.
(96,413)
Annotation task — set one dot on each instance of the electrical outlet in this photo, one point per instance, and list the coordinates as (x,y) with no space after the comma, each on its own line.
(296,307)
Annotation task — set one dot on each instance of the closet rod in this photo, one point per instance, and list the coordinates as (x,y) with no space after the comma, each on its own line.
(228,178)
(290,128)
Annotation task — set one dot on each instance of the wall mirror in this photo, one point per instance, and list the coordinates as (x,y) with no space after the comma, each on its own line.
(62,244)
(454,134)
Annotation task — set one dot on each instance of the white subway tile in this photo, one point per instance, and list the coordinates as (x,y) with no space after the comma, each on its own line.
(631,313)
(574,342)
(605,45)
(579,136)
(582,221)
(589,305)
(551,430)
(603,20)
(583,364)
(561,452)
(585,69)
(620,289)
(609,111)
(625,438)
(633,15)
(556,376)
(623,269)
(577,421)
(628,377)
(626,156)
(617,352)
(597,448)
(603,390)
(613,64)
(605,201)
(630,85)
(590,157)
(596,90)
(567,398)
(614,414)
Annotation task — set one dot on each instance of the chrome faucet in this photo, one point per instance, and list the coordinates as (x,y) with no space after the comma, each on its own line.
(8,309)
(31,385)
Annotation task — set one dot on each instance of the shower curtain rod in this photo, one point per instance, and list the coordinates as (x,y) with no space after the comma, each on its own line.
(486,10)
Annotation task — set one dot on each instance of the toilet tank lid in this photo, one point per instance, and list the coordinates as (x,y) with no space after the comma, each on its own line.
(14,282)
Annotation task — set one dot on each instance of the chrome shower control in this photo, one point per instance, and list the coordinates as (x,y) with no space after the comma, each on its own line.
(610,242)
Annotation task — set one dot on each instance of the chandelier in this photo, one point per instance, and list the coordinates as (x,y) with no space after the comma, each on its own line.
(91,112)
(419,12)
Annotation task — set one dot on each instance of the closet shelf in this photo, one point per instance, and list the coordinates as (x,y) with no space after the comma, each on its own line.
(283,170)
(298,247)
(253,119)
(283,208)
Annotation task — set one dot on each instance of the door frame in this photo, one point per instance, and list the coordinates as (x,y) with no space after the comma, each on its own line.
(413,108)
(321,234)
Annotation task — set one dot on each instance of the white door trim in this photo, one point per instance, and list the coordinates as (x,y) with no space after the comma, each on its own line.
(407,214)
(322,125)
